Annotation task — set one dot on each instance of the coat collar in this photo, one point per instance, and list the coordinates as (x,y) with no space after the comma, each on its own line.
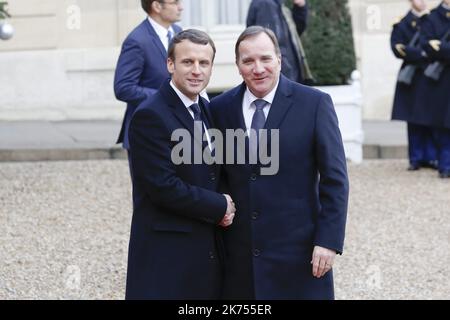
(179,109)
(280,105)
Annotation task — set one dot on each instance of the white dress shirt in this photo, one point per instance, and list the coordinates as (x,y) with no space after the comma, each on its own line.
(187,103)
(161,32)
(249,108)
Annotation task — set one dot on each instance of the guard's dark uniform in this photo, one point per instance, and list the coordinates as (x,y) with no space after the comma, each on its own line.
(422,149)
(436,94)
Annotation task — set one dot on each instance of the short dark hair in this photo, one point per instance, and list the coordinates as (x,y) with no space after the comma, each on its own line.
(147,5)
(193,35)
(253,31)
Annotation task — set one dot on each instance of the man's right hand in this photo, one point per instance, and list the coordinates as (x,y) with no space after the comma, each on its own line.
(229,214)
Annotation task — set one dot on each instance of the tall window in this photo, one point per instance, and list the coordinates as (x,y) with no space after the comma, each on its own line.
(193,13)
(209,13)
(232,11)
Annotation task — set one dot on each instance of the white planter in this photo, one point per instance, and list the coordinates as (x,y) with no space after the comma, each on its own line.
(348,103)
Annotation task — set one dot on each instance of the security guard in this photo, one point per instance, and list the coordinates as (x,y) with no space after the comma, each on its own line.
(436,92)
(421,145)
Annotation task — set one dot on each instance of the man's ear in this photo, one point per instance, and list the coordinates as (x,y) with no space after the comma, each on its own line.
(170,65)
(155,7)
(237,65)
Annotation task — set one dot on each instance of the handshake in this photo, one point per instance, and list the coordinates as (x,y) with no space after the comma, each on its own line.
(229,214)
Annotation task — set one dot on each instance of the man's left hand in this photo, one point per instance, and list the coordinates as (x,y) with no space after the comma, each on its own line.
(322,261)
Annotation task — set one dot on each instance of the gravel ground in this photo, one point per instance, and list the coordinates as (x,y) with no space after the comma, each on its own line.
(65,226)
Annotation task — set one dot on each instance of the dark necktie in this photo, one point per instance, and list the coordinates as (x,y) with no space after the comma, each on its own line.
(169,37)
(199,123)
(196,110)
(258,122)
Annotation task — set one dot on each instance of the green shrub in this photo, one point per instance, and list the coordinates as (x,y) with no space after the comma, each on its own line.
(328,41)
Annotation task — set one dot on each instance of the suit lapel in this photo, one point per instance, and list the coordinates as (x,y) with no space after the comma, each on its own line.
(237,122)
(179,110)
(237,117)
(280,106)
(203,103)
(155,39)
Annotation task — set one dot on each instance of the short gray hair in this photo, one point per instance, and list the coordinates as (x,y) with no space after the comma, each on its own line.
(253,31)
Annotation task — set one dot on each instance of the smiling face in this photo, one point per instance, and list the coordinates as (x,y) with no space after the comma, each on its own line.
(259,64)
(191,67)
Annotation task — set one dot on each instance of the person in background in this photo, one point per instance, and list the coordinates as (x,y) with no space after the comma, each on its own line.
(434,92)
(141,68)
(422,150)
(287,25)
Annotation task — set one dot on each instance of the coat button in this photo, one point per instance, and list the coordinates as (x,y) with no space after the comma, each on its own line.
(211,255)
(256,253)
(255,215)
(213,176)
(253,177)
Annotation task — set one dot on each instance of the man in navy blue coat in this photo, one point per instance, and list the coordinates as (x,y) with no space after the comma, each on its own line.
(421,144)
(436,94)
(268,13)
(175,250)
(141,68)
(288,225)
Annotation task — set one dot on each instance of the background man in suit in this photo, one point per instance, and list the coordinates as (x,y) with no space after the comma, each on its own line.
(421,145)
(141,68)
(174,247)
(269,14)
(288,226)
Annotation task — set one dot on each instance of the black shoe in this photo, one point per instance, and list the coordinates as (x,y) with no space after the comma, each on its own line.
(413,167)
(433,164)
(444,174)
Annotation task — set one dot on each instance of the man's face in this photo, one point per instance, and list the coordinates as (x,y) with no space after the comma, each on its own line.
(170,11)
(258,64)
(419,5)
(192,67)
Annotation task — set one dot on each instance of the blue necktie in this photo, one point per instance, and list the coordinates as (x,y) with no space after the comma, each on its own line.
(169,37)
(258,122)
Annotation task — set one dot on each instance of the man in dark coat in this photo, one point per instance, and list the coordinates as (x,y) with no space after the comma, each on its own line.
(421,144)
(174,248)
(436,93)
(269,14)
(290,222)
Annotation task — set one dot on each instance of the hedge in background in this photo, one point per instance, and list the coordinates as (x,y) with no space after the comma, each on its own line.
(328,41)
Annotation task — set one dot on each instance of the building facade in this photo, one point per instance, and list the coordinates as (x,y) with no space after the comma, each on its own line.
(60,63)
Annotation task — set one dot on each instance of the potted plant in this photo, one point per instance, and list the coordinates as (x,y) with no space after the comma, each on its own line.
(329,47)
